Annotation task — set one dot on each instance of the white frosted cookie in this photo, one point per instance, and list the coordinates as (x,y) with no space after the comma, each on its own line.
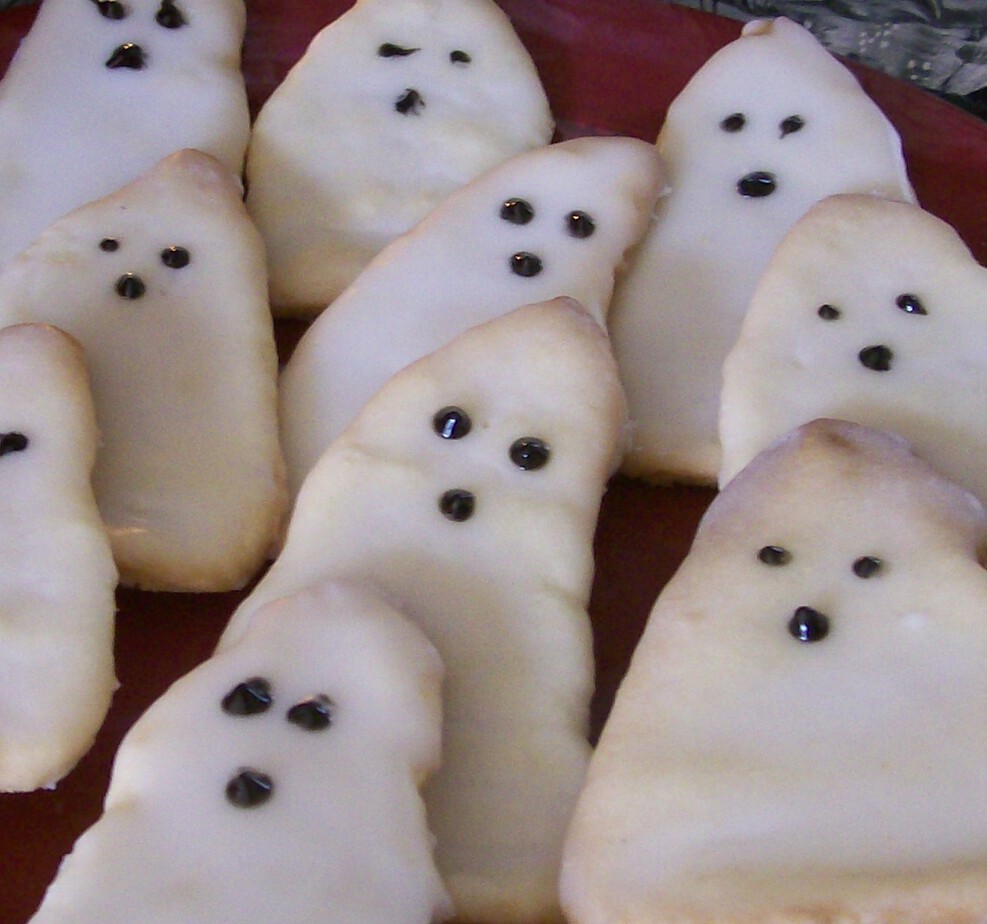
(163,284)
(769,125)
(57,577)
(278,781)
(393,106)
(873,311)
(554,221)
(100,90)
(799,739)
(468,491)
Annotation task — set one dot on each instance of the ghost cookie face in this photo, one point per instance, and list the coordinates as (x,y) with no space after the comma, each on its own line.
(307,741)
(554,221)
(57,577)
(872,311)
(100,90)
(163,283)
(393,106)
(771,124)
(797,739)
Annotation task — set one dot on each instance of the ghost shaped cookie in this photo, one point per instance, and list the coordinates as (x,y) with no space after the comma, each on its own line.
(100,90)
(57,577)
(554,221)
(163,284)
(393,106)
(768,126)
(278,781)
(873,311)
(467,490)
(799,737)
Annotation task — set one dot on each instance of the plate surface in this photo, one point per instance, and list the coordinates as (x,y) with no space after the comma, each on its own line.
(610,67)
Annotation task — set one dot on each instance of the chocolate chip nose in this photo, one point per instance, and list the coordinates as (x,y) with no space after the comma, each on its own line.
(130,286)
(808,624)
(129,56)
(757,185)
(878,357)
(410,102)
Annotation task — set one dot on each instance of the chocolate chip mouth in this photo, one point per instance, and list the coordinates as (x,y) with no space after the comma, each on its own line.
(411,102)
(878,357)
(757,185)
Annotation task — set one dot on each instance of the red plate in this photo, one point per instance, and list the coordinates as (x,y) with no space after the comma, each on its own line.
(610,67)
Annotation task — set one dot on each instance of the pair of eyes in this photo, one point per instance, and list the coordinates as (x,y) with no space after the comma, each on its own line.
(174,256)
(168,15)
(866,566)
(255,696)
(391,50)
(906,302)
(578,223)
(737,121)
(528,453)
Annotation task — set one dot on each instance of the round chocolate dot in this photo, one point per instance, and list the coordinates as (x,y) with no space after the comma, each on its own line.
(529,453)
(579,224)
(111,9)
(169,15)
(410,102)
(457,504)
(452,423)
(459,57)
(175,257)
(517,211)
(526,264)
(910,304)
(829,312)
(12,442)
(877,358)
(733,122)
(249,788)
(251,697)
(793,123)
(109,244)
(867,566)
(774,555)
(757,185)
(130,286)
(128,56)
(313,714)
(808,625)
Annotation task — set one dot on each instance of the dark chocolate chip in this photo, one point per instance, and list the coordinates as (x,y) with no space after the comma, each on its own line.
(313,714)
(410,102)
(734,122)
(517,211)
(130,286)
(526,264)
(867,566)
(910,304)
(109,244)
(757,185)
(175,257)
(390,50)
(111,9)
(829,312)
(579,224)
(792,124)
(128,56)
(12,442)
(457,505)
(251,697)
(249,788)
(774,555)
(452,423)
(169,15)
(808,625)
(878,357)
(459,57)
(529,453)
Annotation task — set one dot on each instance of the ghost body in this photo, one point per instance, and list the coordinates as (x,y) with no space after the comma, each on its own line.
(799,735)
(57,577)
(467,490)
(393,106)
(554,221)
(101,90)
(872,311)
(768,126)
(163,284)
(277,781)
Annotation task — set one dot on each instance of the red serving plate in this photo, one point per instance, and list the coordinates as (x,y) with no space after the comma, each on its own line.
(610,67)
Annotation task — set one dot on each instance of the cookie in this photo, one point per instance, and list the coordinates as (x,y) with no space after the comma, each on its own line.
(163,283)
(798,738)
(467,490)
(873,311)
(393,106)
(554,221)
(57,577)
(277,781)
(98,92)
(768,126)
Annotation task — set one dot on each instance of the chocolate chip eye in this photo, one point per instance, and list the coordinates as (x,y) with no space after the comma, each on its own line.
(529,453)
(130,286)
(525,264)
(128,56)
(579,224)
(734,122)
(249,788)
(517,211)
(109,244)
(251,697)
(313,714)
(867,566)
(829,312)
(457,505)
(793,123)
(390,50)
(757,185)
(459,57)
(910,304)
(452,423)
(774,555)
(111,9)
(12,442)
(169,15)
(808,625)
(175,257)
